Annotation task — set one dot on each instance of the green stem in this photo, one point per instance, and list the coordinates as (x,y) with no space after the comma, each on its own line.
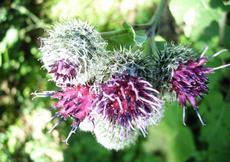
(155,20)
(149,27)
(111,33)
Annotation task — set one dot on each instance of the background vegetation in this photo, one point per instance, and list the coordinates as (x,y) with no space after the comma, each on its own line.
(23,122)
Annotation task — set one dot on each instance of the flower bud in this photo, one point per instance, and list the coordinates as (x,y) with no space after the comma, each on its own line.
(131,62)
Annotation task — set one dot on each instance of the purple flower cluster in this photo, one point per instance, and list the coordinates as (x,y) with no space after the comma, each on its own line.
(190,81)
(115,91)
(75,102)
(128,101)
(63,70)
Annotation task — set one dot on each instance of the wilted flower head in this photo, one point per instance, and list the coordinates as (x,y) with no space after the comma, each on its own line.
(73,102)
(69,50)
(128,103)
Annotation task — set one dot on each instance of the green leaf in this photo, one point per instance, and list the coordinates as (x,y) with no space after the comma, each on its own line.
(152,46)
(140,37)
(129,37)
(170,137)
(124,39)
(194,16)
(11,37)
(129,28)
(216,133)
(226,38)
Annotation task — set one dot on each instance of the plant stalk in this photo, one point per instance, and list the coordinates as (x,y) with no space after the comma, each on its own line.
(149,27)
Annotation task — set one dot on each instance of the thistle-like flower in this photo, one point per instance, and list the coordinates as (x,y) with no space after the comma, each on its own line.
(190,80)
(128,103)
(166,61)
(70,51)
(73,102)
(188,77)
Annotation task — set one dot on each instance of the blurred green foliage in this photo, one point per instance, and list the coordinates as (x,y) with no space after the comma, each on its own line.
(23,122)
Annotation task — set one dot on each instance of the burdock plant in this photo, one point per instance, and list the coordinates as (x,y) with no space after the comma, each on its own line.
(116,94)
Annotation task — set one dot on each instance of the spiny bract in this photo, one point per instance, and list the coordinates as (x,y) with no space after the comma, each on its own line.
(129,61)
(113,136)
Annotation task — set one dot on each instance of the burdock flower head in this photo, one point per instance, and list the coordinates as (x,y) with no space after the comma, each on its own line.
(189,79)
(70,50)
(73,102)
(126,103)
(166,61)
